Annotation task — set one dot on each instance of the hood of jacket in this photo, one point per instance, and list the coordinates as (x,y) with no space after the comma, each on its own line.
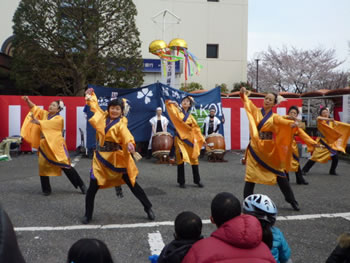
(243,231)
(176,250)
(344,240)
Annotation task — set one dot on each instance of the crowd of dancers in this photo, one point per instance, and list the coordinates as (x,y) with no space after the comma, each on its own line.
(271,154)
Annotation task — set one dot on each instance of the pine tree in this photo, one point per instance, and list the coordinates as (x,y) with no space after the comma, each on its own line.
(63,45)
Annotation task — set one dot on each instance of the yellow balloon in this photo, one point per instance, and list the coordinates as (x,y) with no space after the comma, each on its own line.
(178,42)
(157,45)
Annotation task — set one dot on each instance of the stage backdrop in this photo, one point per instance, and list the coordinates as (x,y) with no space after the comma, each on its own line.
(14,109)
(144,102)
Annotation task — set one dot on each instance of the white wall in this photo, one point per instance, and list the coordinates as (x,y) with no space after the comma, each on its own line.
(224,23)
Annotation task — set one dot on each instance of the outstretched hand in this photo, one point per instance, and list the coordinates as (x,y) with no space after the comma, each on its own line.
(88,93)
(25,98)
(131,147)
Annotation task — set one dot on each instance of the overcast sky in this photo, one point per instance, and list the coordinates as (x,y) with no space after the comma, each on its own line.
(303,24)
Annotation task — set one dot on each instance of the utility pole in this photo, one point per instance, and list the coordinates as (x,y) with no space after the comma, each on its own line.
(257,74)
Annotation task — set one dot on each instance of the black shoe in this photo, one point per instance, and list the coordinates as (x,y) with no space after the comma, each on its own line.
(119,192)
(295,205)
(333,173)
(83,189)
(303,181)
(182,186)
(85,220)
(200,185)
(150,214)
(46,193)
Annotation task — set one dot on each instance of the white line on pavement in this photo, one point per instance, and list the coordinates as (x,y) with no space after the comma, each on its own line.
(306,217)
(156,243)
(167,223)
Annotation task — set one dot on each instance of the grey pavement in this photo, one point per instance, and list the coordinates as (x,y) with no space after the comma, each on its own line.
(311,240)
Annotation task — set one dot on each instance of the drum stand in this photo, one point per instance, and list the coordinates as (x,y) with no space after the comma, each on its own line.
(164,159)
(216,157)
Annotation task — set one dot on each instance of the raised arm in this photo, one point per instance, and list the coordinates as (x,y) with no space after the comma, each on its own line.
(28,101)
(173,109)
(91,100)
(36,113)
(324,118)
(249,106)
(277,119)
(311,143)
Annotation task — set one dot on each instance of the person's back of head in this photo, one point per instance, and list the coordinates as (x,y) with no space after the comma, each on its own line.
(88,250)
(9,250)
(188,226)
(224,207)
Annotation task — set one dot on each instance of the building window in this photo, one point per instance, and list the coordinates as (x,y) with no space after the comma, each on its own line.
(213,0)
(212,50)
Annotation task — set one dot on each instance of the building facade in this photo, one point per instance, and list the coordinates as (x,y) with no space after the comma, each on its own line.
(215,31)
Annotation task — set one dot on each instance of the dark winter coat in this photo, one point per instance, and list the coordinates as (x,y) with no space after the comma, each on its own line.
(9,250)
(237,241)
(341,254)
(175,251)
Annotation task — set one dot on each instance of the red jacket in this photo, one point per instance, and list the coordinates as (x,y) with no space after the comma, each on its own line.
(236,241)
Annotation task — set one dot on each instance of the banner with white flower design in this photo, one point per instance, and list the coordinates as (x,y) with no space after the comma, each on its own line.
(144,101)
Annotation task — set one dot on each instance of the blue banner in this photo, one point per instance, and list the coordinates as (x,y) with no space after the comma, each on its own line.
(144,101)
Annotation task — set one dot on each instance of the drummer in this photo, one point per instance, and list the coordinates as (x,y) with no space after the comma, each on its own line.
(211,123)
(159,123)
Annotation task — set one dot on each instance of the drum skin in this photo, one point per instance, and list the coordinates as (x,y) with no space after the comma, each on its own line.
(216,143)
(161,143)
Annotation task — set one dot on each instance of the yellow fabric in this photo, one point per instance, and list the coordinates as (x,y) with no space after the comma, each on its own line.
(344,130)
(52,145)
(308,141)
(276,153)
(188,130)
(336,135)
(118,133)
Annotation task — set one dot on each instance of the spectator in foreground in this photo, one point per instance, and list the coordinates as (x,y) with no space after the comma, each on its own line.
(188,229)
(9,250)
(341,254)
(265,210)
(238,238)
(89,250)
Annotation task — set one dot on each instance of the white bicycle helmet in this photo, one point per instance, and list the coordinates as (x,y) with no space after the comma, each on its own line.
(260,206)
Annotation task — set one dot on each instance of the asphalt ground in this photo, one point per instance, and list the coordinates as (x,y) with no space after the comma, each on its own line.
(122,223)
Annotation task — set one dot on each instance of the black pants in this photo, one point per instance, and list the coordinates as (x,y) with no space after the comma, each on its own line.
(283,185)
(172,152)
(137,190)
(310,163)
(298,175)
(71,174)
(181,174)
